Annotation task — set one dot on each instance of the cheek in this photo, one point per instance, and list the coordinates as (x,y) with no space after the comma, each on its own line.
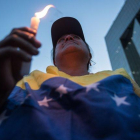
(57,54)
(56,50)
(86,50)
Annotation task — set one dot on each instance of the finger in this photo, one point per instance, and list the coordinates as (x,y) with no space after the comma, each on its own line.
(13,52)
(26,29)
(15,41)
(28,37)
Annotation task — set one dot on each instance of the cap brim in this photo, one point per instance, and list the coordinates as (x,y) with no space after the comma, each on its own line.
(66,25)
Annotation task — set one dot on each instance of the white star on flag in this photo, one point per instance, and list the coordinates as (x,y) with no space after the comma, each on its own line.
(62,90)
(44,102)
(92,86)
(3,116)
(120,100)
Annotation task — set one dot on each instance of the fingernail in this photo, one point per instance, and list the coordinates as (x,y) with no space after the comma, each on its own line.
(34,31)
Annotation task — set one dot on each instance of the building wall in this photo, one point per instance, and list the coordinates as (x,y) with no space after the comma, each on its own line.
(119,28)
(136,35)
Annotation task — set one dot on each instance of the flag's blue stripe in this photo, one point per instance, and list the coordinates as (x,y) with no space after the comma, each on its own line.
(77,115)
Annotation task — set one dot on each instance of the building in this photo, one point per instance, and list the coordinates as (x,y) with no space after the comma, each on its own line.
(123,40)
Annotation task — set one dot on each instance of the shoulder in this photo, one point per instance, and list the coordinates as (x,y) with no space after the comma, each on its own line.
(34,79)
(123,72)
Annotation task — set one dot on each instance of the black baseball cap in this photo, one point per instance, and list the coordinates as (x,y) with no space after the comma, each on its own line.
(66,25)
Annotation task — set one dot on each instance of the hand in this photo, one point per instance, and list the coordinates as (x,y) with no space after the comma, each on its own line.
(17,47)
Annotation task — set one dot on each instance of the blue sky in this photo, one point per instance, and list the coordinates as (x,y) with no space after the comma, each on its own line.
(95,16)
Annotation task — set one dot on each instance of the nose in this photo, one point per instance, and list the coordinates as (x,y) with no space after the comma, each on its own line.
(68,37)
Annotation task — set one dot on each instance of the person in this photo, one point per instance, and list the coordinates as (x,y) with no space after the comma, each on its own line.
(66,102)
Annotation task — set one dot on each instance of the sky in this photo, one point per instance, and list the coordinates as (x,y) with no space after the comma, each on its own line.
(95,16)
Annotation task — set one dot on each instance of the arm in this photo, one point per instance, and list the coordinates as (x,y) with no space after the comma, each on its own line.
(11,58)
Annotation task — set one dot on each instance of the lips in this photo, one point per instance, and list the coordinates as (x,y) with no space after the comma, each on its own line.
(70,42)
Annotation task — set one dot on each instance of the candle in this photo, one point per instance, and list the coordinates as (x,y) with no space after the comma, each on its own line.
(25,66)
(34,23)
(35,20)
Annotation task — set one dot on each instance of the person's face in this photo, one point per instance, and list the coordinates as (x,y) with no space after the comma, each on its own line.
(69,45)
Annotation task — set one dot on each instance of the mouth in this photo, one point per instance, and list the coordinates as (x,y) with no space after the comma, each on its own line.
(70,42)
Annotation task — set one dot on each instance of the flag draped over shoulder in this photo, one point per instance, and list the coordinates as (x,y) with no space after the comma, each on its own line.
(64,110)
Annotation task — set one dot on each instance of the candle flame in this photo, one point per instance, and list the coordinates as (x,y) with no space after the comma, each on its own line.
(43,12)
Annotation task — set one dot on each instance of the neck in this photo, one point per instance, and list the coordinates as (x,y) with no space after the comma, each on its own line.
(73,68)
